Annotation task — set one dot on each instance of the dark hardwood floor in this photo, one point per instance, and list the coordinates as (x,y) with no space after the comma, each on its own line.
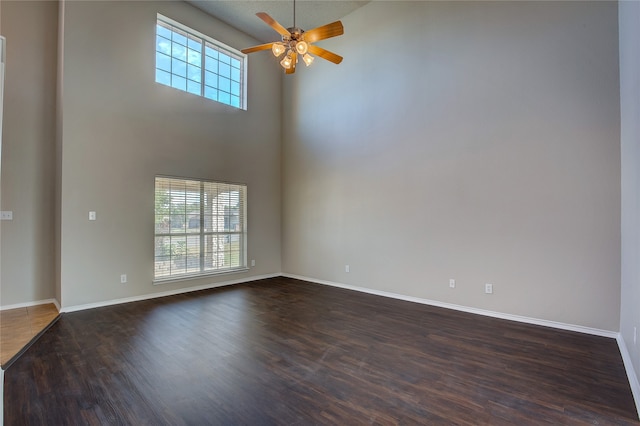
(282,351)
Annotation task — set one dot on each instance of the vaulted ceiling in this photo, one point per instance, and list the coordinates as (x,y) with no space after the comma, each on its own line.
(241,14)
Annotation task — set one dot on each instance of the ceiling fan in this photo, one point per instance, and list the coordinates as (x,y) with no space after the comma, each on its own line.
(297,42)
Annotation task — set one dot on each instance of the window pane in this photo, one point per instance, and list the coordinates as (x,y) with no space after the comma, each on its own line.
(193,254)
(194,43)
(235,101)
(222,223)
(211,64)
(225,71)
(225,59)
(224,84)
(235,74)
(162,223)
(193,223)
(234,197)
(163,61)
(177,223)
(177,200)
(192,196)
(235,63)
(211,52)
(208,222)
(163,77)
(215,251)
(179,83)
(163,45)
(193,87)
(179,68)
(235,88)
(210,93)
(224,97)
(233,251)
(163,31)
(211,79)
(194,57)
(179,51)
(163,247)
(194,73)
(162,266)
(178,254)
(179,37)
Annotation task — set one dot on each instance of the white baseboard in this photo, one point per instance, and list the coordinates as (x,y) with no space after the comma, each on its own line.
(518,318)
(34,303)
(631,373)
(164,293)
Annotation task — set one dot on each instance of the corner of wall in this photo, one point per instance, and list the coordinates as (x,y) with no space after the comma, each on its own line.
(1,396)
(629,66)
(58,160)
(631,373)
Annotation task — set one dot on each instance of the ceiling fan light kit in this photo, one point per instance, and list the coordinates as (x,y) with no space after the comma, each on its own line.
(286,62)
(297,42)
(278,49)
(307,59)
(301,47)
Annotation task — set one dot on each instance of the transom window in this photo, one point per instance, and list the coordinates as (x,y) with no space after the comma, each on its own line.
(200,227)
(192,62)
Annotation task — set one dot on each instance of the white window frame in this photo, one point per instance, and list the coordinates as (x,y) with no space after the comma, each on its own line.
(180,250)
(205,42)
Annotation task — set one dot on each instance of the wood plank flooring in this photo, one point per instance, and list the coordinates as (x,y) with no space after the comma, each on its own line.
(282,351)
(19,326)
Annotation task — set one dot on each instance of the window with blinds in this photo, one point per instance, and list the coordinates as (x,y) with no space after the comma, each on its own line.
(200,228)
(192,62)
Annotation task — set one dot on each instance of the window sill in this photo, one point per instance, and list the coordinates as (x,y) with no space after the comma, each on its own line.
(168,280)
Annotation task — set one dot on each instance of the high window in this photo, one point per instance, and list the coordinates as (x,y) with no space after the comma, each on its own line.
(200,228)
(192,62)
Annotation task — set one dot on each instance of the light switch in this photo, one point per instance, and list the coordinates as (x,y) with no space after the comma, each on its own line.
(92,215)
(6,215)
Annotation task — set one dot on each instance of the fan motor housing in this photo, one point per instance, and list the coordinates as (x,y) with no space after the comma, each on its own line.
(295,33)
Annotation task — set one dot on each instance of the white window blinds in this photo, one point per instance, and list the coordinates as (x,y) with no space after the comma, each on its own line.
(200,227)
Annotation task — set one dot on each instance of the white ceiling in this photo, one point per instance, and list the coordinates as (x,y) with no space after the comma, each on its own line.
(241,14)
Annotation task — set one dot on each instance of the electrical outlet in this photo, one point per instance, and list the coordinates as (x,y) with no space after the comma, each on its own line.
(452,283)
(6,215)
(92,215)
(488,288)
(253,263)
(123,278)
(346,268)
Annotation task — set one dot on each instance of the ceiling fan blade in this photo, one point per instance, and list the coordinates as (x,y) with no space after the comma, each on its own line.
(325,54)
(326,31)
(273,23)
(257,48)
(294,60)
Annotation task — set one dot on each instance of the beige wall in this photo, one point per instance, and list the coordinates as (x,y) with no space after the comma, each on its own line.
(629,17)
(475,141)
(28,151)
(120,129)
(57,214)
